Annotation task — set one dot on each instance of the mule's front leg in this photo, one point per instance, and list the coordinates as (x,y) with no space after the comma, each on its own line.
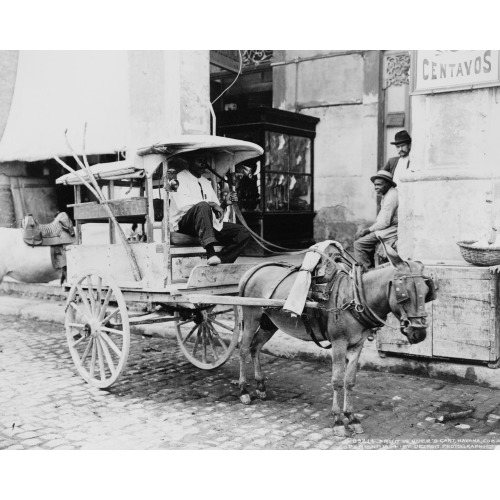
(353,354)
(339,350)
(266,331)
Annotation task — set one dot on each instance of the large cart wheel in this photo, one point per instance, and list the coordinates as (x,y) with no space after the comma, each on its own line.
(97,328)
(208,336)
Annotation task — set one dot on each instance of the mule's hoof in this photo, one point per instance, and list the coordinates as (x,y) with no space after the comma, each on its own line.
(260,394)
(245,399)
(356,428)
(341,431)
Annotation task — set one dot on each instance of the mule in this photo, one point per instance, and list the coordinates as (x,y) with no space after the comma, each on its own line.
(401,288)
(22,262)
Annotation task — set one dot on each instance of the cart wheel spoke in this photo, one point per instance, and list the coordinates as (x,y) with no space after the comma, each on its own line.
(107,356)
(212,345)
(188,336)
(208,342)
(79,341)
(87,312)
(204,344)
(91,294)
(92,360)
(105,304)
(87,350)
(111,330)
(222,325)
(100,357)
(84,300)
(79,311)
(110,316)
(196,342)
(77,325)
(111,344)
(218,337)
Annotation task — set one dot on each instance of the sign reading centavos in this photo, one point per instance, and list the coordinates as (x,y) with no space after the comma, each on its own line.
(447,70)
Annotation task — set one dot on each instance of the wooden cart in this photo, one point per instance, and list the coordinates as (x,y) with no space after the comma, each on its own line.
(167,273)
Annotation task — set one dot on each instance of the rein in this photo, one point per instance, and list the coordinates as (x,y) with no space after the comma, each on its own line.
(264,244)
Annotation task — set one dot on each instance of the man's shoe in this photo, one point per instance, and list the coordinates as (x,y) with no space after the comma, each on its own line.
(213,261)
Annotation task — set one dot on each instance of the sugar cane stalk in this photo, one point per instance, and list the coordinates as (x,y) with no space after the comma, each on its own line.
(101,199)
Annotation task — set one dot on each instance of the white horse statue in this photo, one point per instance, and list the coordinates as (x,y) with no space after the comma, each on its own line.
(23,262)
(35,253)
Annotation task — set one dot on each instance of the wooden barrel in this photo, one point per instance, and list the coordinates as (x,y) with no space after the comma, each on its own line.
(7,213)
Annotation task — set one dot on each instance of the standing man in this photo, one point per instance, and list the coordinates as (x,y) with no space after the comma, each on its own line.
(196,211)
(399,164)
(386,224)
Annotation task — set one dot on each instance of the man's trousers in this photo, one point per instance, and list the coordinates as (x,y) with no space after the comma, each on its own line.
(364,250)
(197,221)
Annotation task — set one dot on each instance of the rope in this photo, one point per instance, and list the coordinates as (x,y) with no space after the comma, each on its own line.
(265,244)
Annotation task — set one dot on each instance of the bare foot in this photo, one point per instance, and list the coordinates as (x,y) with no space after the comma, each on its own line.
(213,261)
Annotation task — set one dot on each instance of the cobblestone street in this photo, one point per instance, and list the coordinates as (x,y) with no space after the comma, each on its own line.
(163,402)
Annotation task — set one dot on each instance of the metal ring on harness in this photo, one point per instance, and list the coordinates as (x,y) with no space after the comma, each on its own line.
(359,308)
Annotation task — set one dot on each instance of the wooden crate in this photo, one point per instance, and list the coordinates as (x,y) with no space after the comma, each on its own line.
(464,321)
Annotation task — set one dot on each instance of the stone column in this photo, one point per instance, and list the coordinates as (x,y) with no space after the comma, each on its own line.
(169,94)
(453,192)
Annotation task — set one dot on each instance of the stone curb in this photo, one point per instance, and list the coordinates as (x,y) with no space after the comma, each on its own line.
(285,346)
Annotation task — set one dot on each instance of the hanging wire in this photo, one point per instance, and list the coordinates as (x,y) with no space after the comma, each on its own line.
(234,81)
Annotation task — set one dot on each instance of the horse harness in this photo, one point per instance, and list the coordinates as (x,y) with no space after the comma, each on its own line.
(402,282)
(328,280)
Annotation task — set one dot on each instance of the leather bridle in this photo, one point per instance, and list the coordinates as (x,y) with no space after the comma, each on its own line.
(402,282)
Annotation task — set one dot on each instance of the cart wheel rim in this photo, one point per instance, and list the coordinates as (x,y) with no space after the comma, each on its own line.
(97,328)
(208,337)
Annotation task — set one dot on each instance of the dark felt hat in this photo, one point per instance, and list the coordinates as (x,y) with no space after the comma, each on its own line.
(383,174)
(401,137)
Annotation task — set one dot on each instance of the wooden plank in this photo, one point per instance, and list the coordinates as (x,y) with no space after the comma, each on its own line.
(129,207)
(224,274)
(78,225)
(464,286)
(238,301)
(111,194)
(460,272)
(199,250)
(182,266)
(464,313)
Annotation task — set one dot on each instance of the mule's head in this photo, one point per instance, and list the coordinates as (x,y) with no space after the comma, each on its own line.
(409,291)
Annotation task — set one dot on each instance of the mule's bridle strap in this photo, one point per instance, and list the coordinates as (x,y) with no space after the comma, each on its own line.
(364,314)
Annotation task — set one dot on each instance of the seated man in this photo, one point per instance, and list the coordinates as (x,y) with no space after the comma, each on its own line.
(386,225)
(195,210)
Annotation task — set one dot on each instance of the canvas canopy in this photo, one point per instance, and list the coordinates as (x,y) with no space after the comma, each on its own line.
(224,151)
(62,90)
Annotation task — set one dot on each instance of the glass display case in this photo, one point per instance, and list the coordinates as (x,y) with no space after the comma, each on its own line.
(276,191)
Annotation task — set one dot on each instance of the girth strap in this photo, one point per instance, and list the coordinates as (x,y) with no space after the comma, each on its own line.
(310,331)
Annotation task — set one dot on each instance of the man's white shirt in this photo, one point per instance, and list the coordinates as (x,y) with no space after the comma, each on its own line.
(191,191)
(401,168)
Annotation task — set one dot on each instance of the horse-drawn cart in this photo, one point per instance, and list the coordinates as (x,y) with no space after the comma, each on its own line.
(209,306)
(116,285)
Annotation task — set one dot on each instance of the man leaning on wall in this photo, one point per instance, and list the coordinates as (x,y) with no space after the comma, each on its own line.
(397,165)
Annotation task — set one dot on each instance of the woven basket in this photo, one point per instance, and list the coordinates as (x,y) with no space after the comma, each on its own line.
(479,256)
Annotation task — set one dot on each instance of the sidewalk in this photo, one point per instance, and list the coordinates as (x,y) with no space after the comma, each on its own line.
(45,302)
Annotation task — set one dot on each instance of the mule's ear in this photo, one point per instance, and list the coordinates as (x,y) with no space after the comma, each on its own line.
(392,255)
